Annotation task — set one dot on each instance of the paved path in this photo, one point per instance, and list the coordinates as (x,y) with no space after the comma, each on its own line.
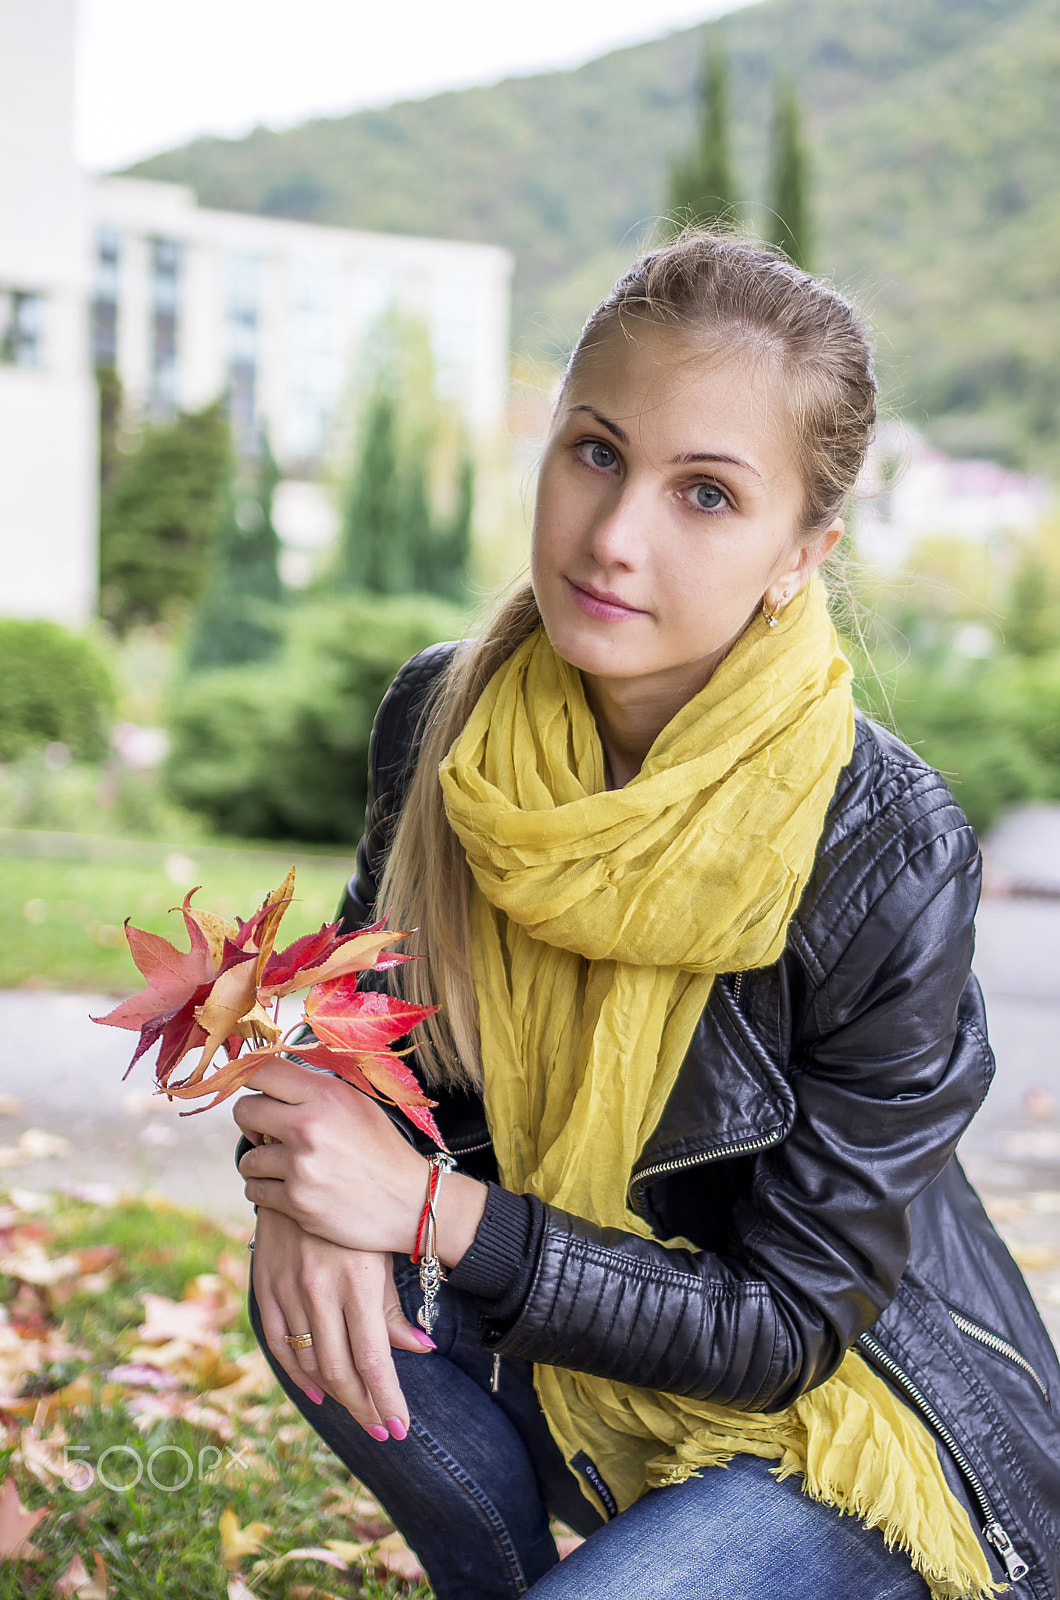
(66,1075)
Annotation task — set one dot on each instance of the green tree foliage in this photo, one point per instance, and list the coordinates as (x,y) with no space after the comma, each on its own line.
(235,619)
(701,185)
(109,388)
(159,516)
(408,509)
(789,201)
(280,750)
(1033,607)
(55,688)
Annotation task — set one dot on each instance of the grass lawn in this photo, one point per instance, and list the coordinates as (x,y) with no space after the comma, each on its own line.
(61,921)
(165,1462)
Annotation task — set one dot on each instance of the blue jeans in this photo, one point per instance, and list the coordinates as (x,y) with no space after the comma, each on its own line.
(474,1484)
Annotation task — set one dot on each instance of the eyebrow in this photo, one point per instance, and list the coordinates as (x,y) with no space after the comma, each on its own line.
(689,458)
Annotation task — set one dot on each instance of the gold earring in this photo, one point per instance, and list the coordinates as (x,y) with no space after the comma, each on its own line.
(771,616)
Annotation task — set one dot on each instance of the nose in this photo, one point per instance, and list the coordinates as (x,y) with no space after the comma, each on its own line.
(618,535)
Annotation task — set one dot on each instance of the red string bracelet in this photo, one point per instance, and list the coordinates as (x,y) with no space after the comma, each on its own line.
(425,1254)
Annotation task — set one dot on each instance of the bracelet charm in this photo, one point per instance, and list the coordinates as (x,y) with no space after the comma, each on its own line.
(425,1254)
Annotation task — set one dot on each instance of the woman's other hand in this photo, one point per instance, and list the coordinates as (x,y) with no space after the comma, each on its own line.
(347,1302)
(337,1165)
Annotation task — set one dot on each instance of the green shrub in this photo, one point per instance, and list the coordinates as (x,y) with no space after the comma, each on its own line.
(992,727)
(159,517)
(55,688)
(280,750)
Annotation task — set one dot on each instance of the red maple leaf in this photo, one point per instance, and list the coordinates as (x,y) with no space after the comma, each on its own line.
(342,1016)
(177,982)
(319,957)
(214,995)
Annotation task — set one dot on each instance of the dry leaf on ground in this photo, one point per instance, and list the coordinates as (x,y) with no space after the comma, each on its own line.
(237,1542)
(16,1525)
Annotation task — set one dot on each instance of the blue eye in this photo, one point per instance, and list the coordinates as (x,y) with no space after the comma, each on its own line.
(709,497)
(602,455)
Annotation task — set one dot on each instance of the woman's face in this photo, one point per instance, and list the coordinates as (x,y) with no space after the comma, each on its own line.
(667,507)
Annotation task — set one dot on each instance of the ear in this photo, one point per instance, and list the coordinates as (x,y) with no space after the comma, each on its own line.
(806,559)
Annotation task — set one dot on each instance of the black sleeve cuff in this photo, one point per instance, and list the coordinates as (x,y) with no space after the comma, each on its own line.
(500,1263)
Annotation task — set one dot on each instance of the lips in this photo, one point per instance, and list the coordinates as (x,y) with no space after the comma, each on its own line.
(601,603)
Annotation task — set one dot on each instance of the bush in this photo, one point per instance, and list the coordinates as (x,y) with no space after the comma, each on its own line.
(159,516)
(55,688)
(991,727)
(280,750)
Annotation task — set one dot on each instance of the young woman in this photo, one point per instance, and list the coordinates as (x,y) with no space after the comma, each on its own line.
(718,1294)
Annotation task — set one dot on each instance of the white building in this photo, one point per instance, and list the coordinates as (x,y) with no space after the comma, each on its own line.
(912,492)
(186,304)
(47,393)
(190,303)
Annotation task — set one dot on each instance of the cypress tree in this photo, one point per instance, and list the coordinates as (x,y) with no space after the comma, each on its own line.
(368,557)
(235,621)
(789,221)
(393,538)
(159,516)
(702,188)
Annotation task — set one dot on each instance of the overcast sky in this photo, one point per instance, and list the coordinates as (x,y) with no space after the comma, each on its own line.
(155,73)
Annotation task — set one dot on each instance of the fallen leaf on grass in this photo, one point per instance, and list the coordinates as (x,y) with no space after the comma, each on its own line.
(81,1392)
(31,1264)
(314,1552)
(143,1375)
(16,1525)
(394,1554)
(236,1541)
(36,1144)
(196,1321)
(45,1456)
(237,1589)
(77,1581)
(149,1409)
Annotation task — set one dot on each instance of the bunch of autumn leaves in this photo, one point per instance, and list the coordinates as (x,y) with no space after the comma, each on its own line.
(224,992)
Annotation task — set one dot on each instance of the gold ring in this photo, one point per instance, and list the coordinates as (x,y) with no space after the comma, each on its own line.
(298,1341)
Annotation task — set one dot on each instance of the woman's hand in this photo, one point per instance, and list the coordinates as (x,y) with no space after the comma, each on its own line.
(339,1167)
(347,1301)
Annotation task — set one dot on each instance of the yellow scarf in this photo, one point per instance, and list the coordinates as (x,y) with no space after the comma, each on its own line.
(598,921)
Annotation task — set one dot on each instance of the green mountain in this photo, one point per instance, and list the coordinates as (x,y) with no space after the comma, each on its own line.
(936,158)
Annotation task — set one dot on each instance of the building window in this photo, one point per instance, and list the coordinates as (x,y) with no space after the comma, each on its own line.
(317,368)
(21,318)
(165,267)
(242,304)
(105,299)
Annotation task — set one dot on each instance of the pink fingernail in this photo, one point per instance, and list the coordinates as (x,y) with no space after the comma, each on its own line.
(378,1433)
(316,1395)
(424,1339)
(397,1428)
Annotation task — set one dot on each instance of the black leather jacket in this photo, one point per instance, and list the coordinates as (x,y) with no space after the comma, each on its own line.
(807,1149)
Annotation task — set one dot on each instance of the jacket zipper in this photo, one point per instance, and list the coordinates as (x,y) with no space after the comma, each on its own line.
(993,1341)
(470,1149)
(1015,1566)
(763,1142)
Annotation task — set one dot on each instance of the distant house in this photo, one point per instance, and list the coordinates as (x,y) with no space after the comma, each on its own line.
(913,492)
(185,304)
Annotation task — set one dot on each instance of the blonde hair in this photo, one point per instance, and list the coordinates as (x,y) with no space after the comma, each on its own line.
(727,293)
